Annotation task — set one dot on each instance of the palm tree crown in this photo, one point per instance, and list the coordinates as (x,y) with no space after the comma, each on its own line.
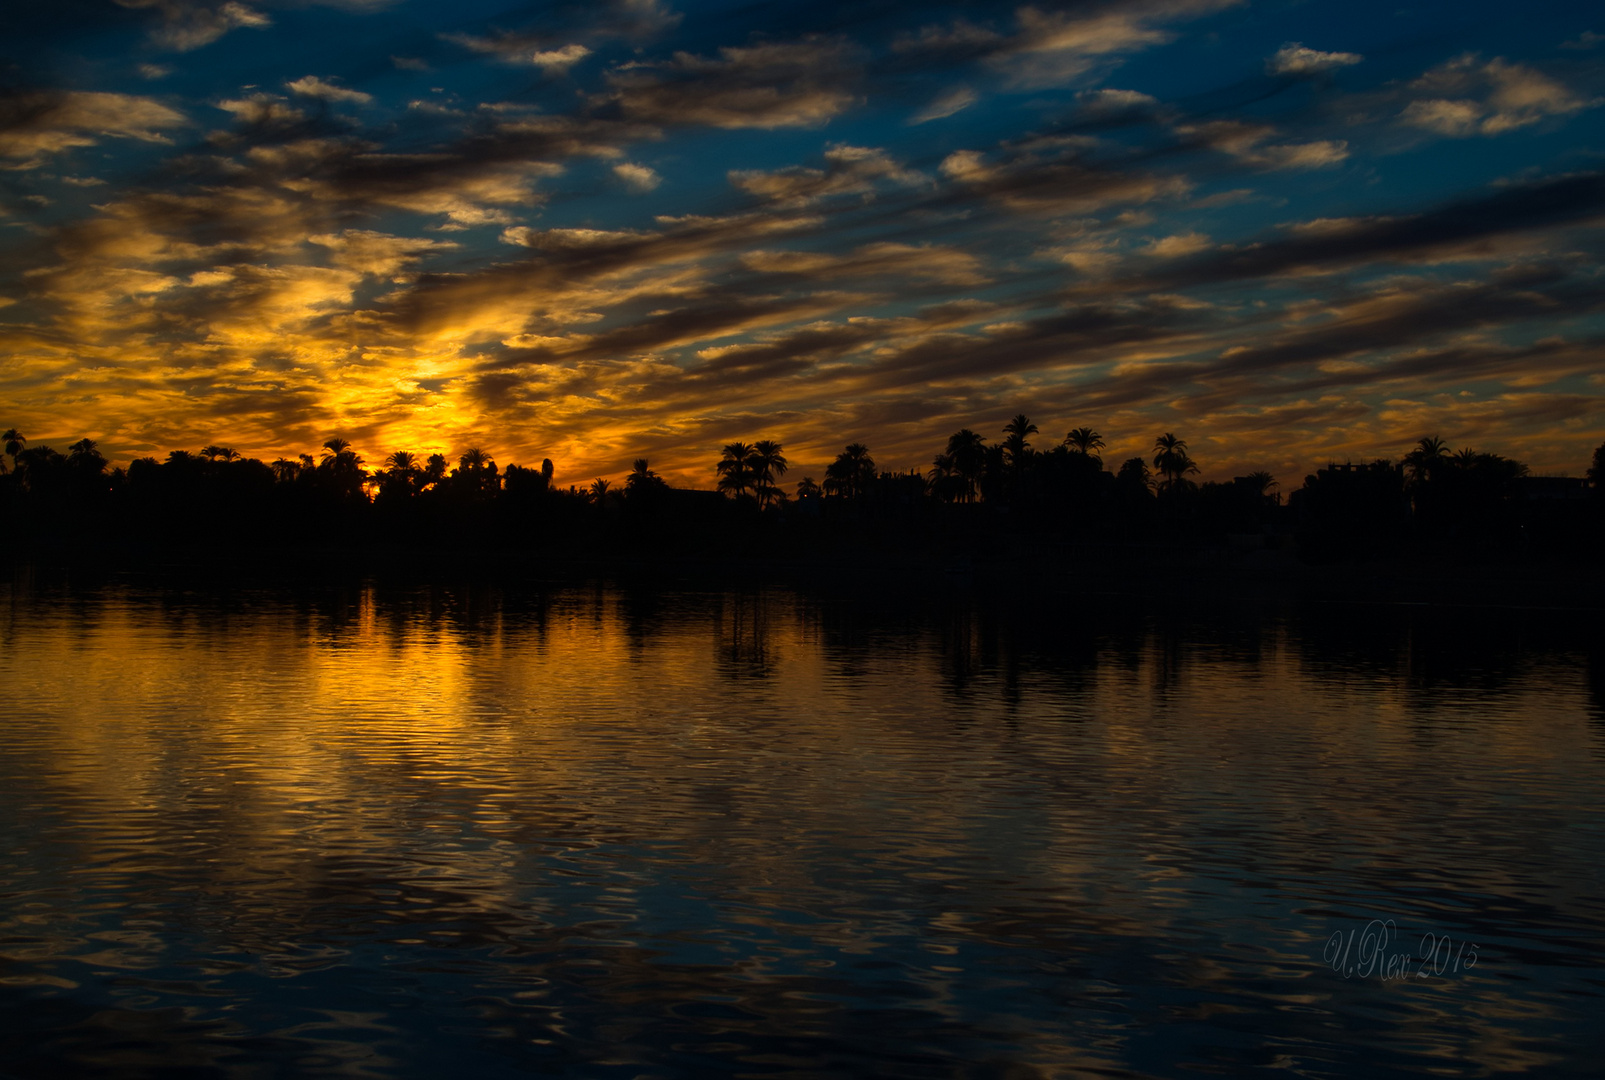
(765,464)
(1014,439)
(735,469)
(1427,457)
(851,474)
(1083,440)
(641,478)
(1262,483)
(968,452)
(1171,459)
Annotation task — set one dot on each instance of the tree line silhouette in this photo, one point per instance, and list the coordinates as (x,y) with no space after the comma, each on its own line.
(977,498)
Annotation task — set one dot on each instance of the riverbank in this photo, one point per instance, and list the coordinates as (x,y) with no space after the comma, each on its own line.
(1151,574)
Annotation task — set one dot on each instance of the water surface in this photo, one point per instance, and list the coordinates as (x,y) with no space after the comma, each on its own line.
(412,831)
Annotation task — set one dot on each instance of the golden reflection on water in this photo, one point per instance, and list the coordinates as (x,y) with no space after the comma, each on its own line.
(589,808)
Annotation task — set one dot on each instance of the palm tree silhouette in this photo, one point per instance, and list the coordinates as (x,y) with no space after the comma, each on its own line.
(968,451)
(1261,483)
(477,469)
(642,479)
(851,474)
(15,441)
(766,464)
(85,459)
(342,464)
(1134,475)
(1171,459)
(735,469)
(599,490)
(807,488)
(944,479)
(1014,440)
(1083,440)
(1427,457)
(401,472)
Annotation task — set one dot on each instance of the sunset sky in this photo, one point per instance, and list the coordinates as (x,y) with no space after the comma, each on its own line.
(1288,232)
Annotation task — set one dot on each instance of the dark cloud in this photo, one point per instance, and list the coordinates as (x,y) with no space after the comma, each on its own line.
(1398,319)
(518,35)
(800,83)
(185,25)
(1523,208)
(708,320)
(36,124)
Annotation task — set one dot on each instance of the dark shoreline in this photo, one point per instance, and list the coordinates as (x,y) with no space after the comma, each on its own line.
(1152,576)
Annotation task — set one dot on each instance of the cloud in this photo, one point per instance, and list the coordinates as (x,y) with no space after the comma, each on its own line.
(568,239)
(849,170)
(1109,102)
(637,178)
(1309,155)
(574,271)
(188,25)
(524,48)
(1394,317)
(1588,39)
(800,83)
(495,163)
(1052,48)
(376,254)
(936,262)
(955,100)
(1558,203)
(1179,245)
(959,41)
(556,60)
(1294,59)
(549,43)
(1453,118)
(1050,176)
(262,112)
(1247,143)
(1465,97)
(36,124)
(313,87)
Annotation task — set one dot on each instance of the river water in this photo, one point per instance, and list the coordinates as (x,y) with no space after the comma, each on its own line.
(392,830)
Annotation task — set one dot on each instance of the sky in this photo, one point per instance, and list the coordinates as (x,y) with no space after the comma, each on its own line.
(1289,232)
